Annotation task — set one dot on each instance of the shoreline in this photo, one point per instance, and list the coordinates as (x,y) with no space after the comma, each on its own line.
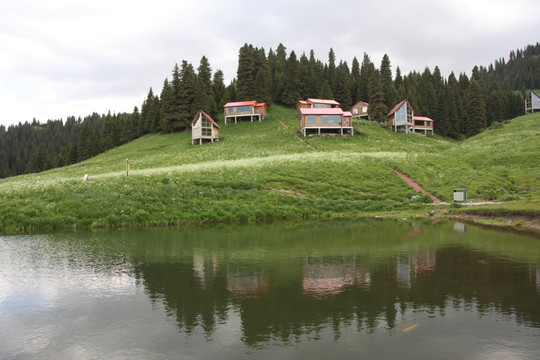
(526,224)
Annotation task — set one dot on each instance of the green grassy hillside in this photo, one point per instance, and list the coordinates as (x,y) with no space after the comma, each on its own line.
(263,171)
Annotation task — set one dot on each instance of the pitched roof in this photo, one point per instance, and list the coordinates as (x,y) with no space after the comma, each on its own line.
(321,111)
(241,103)
(361,102)
(397,107)
(260,104)
(323,101)
(206,115)
(347,113)
(424,118)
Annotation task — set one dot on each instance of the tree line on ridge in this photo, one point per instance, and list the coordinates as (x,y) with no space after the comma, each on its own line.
(461,106)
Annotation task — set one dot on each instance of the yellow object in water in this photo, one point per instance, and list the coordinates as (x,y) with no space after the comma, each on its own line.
(412,327)
(82,318)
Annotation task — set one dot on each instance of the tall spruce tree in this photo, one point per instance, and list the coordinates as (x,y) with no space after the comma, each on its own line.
(366,70)
(187,95)
(218,88)
(476,108)
(168,110)
(326,92)
(331,70)
(293,85)
(389,88)
(342,93)
(355,80)
(377,108)
(245,79)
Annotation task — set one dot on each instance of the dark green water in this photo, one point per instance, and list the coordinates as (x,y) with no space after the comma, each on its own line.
(314,290)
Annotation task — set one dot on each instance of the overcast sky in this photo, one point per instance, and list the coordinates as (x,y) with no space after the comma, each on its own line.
(68,57)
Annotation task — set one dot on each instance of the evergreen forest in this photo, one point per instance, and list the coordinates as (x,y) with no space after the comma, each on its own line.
(461,105)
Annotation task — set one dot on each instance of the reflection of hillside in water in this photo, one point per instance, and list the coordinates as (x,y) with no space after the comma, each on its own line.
(301,284)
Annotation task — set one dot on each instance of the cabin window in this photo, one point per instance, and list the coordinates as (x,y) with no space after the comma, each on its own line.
(241,109)
(331,119)
(364,109)
(206,127)
(311,119)
(320,106)
(355,111)
(230,110)
(404,114)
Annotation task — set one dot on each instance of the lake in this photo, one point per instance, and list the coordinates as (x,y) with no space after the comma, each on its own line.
(344,289)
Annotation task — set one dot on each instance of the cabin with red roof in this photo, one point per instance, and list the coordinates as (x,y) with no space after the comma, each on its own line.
(360,109)
(203,127)
(245,110)
(322,103)
(316,103)
(401,116)
(422,123)
(532,102)
(326,119)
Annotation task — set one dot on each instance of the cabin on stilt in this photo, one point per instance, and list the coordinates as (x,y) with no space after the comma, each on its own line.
(423,124)
(360,109)
(532,102)
(204,128)
(245,110)
(325,120)
(401,116)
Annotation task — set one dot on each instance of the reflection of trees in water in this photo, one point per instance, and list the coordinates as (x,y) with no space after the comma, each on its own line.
(316,293)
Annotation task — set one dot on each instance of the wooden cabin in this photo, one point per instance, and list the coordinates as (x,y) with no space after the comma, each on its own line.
(322,103)
(302,104)
(401,116)
(261,109)
(422,123)
(325,119)
(203,127)
(245,110)
(532,102)
(360,109)
(315,104)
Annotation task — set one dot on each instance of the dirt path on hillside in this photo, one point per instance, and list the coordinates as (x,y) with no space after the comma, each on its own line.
(295,134)
(415,186)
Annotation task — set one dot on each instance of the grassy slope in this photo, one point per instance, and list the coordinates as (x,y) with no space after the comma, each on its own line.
(261,170)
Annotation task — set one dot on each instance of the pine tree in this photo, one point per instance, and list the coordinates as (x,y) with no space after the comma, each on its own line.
(377,109)
(355,80)
(292,88)
(187,96)
(110,137)
(204,73)
(263,86)
(245,80)
(389,89)
(278,65)
(218,88)
(497,104)
(342,93)
(366,70)
(200,99)
(476,109)
(168,114)
(331,70)
(86,147)
(37,161)
(326,92)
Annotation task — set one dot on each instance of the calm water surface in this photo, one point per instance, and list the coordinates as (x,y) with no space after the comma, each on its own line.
(319,290)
